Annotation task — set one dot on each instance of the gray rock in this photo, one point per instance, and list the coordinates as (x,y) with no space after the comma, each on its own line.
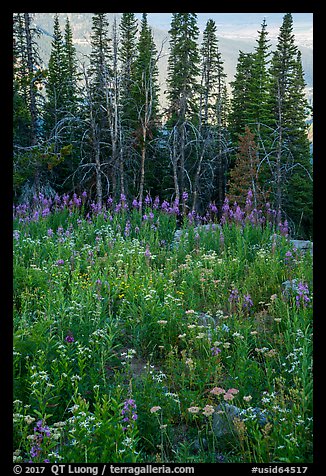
(223,419)
(304,245)
(225,415)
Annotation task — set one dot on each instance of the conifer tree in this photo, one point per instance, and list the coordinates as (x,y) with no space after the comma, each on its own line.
(241,97)
(127,56)
(55,86)
(28,75)
(291,168)
(144,96)
(71,71)
(259,115)
(182,81)
(27,101)
(244,176)
(213,77)
(212,117)
(97,81)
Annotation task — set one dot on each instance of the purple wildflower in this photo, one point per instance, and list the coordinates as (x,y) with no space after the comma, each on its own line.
(215,350)
(156,203)
(302,296)
(127,229)
(234,295)
(129,412)
(135,203)
(165,205)
(213,208)
(238,214)
(247,302)
(69,338)
(148,200)
(284,228)
(35,451)
(60,262)
(147,252)
(185,196)
(288,256)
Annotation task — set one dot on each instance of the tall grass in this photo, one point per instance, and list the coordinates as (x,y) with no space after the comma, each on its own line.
(123,333)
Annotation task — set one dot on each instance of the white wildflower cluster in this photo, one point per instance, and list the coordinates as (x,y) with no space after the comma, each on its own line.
(17,458)
(84,350)
(159,376)
(174,396)
(294,360)
(98,335)
(169,299)
(210,256)
(82,421)
(129,354)
(152,294)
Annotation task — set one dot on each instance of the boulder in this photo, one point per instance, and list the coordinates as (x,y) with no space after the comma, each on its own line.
(225,415)
(304,245)
(223,419)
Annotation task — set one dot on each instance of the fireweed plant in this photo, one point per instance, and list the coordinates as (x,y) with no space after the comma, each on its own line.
(159,337)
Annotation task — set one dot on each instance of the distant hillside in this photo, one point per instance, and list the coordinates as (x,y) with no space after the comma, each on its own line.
(81,24)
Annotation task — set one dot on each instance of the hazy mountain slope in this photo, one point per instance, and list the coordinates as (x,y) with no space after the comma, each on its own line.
(81,24)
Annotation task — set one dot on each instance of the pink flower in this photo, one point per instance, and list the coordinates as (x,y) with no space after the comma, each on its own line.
(228,396)
(217,390)
(208,410)
(155,409)
(233,390)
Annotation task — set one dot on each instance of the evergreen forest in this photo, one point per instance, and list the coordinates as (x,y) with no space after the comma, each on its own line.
(99,125)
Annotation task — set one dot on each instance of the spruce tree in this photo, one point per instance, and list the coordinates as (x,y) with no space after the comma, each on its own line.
(182,81)
(291,168)
(56,100)
(127,55)
(71,71)
(144,97)
(212,119)
(240,104)
(28,77)
(98,80)
(213,78)
(259,116)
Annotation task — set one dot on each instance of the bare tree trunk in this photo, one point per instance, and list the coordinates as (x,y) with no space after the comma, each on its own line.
(99,191)
(197,177)
(278,178)
(142,170)
(121,165)
(114,119)
(95,143)
(175,164)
